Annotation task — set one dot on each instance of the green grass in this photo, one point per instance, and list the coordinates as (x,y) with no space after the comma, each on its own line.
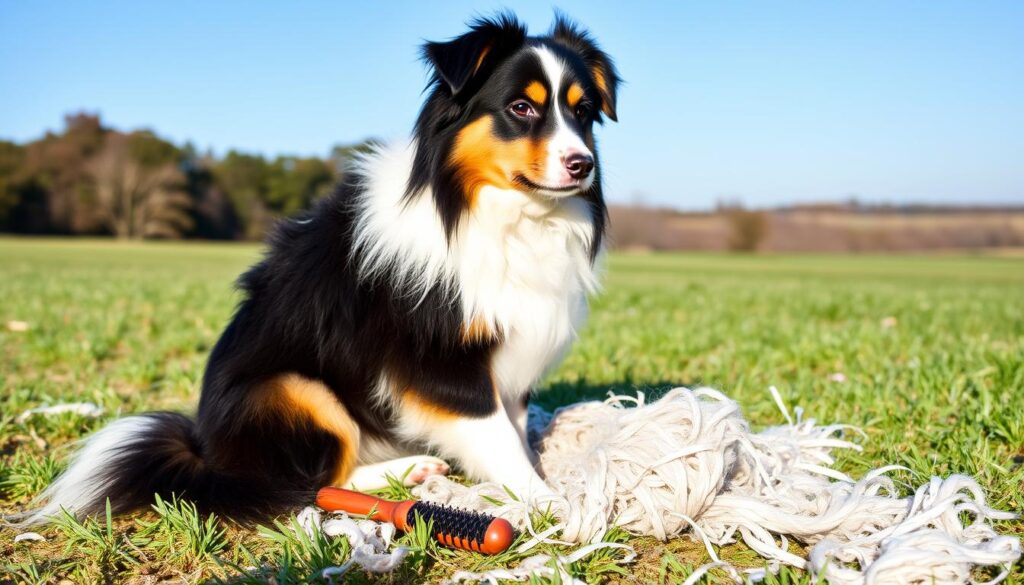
(931,348)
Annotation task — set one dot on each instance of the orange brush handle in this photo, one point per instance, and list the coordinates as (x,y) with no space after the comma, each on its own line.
(452,527)
(336,499)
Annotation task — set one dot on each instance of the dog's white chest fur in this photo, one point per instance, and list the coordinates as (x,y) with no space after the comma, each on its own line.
(524,267)
(520,264)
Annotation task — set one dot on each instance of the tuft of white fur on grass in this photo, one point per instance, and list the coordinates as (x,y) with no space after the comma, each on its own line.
(29,537)
(80,408)
(82,484)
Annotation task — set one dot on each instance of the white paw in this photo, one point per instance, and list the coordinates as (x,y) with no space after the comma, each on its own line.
(423,467)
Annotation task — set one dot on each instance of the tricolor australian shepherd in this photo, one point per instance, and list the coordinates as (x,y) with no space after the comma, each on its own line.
(411,312)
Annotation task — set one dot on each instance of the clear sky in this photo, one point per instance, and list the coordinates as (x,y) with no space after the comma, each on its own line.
(768,102)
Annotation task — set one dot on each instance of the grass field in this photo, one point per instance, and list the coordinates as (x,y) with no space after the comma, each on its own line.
(926,354)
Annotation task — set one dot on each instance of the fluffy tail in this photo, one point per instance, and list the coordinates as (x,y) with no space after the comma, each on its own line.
(133,458)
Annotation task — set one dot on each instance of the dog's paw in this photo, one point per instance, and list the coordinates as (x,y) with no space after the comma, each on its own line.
(423,467)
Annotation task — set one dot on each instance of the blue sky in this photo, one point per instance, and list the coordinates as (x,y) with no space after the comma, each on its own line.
(768,103)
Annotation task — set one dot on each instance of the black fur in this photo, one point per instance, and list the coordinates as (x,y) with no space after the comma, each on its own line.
(169,460)
(569,34)
(488,42)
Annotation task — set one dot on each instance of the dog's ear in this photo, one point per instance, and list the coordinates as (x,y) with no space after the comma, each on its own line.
(606,78)
(468,57)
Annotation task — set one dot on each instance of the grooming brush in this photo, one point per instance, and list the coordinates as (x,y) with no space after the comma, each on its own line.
(452,527)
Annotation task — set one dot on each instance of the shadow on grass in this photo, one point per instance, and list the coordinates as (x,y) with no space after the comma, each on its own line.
(565,393)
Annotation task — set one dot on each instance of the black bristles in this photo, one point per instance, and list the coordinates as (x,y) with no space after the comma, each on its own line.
(470,526)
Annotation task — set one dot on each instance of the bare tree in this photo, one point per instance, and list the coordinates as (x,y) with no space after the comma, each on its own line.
(138,198)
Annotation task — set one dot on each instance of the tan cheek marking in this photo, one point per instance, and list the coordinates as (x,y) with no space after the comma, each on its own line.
(537,157)
(536,92)
(574,95)
(480,159)
(309,399)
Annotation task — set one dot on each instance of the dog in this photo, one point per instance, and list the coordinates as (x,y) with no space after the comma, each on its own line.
(410,312)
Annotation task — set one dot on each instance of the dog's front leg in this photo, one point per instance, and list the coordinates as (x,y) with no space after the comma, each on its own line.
(490,448)
(517,409)
(475,431)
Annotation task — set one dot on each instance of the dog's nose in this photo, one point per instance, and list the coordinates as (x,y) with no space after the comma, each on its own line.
(579,165)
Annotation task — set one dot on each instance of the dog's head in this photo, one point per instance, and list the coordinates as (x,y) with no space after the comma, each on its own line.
(513,112)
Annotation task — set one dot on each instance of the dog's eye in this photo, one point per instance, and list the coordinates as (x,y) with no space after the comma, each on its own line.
(523,109)
(582,111)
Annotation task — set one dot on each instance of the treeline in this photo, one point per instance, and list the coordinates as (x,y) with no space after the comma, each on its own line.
(90,179)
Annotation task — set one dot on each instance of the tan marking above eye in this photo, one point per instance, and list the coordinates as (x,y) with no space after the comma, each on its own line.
(537,93)
(574,95)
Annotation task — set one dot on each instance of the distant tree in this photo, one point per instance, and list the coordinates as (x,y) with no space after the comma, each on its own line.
(139,190)
(56,180)
(243,178)
(12,157)
(90,179)
(213,215)
(747,228)
(263,191)
(292,183)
